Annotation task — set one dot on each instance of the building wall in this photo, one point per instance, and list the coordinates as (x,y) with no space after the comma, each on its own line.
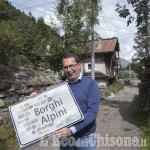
(107,69)
(100,66)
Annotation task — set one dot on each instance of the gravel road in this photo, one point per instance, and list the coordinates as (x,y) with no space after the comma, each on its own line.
(115,126)
(115,121)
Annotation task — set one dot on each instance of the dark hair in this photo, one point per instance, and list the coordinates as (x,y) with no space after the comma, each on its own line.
(72,55)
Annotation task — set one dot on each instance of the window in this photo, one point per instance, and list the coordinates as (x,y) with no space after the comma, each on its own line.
(89,66)
(99,46)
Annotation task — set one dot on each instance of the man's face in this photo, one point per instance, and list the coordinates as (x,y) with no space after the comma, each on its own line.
(71,68)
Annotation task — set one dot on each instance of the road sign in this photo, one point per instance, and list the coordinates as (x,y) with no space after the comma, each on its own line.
(37,118)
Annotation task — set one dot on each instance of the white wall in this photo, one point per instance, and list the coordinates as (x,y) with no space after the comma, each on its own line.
(99,67)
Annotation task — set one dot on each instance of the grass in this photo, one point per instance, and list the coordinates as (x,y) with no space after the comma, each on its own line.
(114,88)
(8,139)
(143,119)
(7,104)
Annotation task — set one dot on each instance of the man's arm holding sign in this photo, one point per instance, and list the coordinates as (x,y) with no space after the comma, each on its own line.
(90,112)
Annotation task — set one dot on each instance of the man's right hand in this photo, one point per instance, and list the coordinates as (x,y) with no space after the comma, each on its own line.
(32,95)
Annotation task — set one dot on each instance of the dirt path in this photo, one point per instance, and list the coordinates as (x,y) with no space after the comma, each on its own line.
(115,120)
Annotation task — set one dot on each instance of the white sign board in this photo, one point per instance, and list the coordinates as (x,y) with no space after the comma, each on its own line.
(37,118)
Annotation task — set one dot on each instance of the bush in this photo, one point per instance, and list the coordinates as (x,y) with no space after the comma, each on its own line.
(116,87)
(143,119)
(8,139)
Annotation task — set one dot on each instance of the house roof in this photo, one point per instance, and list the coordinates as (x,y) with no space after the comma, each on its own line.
(98,74)
(106,45)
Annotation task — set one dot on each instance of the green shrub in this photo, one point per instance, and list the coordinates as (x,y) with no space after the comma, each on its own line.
(7,104)
(8,139)
(143,119)
(116,87)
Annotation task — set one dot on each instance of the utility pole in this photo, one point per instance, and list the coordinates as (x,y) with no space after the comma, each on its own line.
(129,70)
(92,48)
(92,55)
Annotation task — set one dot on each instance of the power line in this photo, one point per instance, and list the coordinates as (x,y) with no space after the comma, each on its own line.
(27,7)
(114,31)
(112,18)
(106,25)
(42,12)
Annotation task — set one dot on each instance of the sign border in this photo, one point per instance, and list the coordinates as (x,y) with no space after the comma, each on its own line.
(49,134)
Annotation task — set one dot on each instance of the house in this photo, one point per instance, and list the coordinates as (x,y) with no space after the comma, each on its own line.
(106,61)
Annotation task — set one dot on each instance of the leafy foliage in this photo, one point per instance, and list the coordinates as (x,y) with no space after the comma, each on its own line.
(125,74)
(77,17)
(142,10)
(23,39)
(136,64)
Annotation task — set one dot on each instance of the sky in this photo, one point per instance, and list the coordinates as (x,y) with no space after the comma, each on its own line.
(111,25)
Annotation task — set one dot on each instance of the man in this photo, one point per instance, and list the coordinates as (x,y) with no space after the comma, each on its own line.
(87,95)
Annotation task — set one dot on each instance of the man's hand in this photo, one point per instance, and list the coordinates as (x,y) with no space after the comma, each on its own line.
(65,132)
(32,95)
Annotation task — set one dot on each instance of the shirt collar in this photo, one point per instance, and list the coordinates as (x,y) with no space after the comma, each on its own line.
(79,78)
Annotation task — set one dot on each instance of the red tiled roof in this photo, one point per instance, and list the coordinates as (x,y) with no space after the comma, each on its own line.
(107,45)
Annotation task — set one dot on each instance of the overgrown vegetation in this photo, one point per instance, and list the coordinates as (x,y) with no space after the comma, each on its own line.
(116,87)
(23,38)
(8,139)
(125,74)
(143,119)
(113,88)
(142,10)
(7,104)
(27,41)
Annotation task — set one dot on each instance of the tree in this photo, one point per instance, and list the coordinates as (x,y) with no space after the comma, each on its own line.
(22,39)
(10,42)
(142,10)
(77,18)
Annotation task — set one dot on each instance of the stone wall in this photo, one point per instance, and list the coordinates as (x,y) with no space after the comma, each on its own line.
(17,83)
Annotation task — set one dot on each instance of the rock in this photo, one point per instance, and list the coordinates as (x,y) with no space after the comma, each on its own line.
(16,75)
(18,82)
(26,80)
(11,90)
(30,72)
(2,68)
(18,85)
(5,110)
(1,103)
(4,85)
(22,74)
(22,98)
(4,118)
(2,95)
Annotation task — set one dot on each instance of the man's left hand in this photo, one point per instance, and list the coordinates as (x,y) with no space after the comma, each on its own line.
(65,132)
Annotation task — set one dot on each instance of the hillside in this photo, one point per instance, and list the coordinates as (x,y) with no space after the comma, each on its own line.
(124,63)
(23,38)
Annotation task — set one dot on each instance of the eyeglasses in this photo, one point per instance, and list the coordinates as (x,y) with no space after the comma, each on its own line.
(65,68)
